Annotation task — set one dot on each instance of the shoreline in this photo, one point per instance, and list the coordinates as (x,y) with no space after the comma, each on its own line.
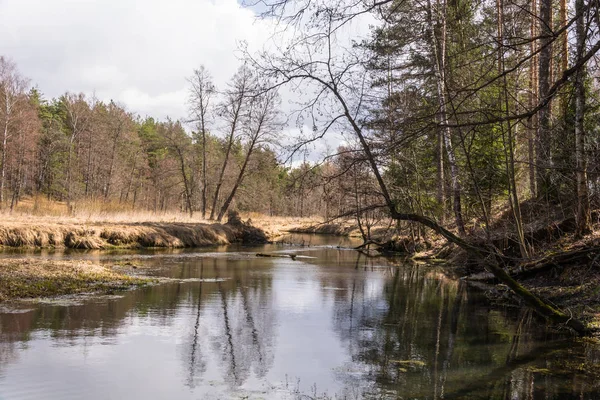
(102,236)
(570,287)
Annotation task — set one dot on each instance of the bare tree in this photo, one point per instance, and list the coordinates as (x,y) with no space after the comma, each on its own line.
(12,94)
(261,126)
(119,123)
(78,120)
(178,143)
(231,111)
(201,93)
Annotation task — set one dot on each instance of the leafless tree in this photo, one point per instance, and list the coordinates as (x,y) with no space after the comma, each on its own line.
(231,110)
(202,92)
(262,124)
(12,95)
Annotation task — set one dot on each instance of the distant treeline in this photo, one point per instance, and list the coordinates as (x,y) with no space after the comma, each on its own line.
(75,147)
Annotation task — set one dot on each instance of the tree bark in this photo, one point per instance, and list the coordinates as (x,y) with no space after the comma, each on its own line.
(533,100)
(3,161)
(508,143)
(439,51)
(237,183)
(583,200)
(544,134)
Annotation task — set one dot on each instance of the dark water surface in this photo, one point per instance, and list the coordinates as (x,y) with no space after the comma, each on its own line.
(332,324)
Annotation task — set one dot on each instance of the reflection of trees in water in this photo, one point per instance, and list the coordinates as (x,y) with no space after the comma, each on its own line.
(248,325)
(430,337)
(230,321)
(409,330)
(197,364)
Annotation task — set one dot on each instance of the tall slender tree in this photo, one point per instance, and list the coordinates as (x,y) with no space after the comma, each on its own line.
(202,92)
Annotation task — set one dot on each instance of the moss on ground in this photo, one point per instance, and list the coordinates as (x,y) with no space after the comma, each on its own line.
(27,278)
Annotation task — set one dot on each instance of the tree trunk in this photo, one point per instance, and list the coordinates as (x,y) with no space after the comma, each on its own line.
(112,163)
(3,161)
(533,101)
(69,174)
(204,182)
(583,200)
(441,192)
(221,176)
(186,183)
(564,53)
(439,50)
(238,182)
(544,135)
(490,256)
(508,143)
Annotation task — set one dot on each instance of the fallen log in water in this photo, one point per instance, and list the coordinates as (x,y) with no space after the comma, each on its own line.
(292,256)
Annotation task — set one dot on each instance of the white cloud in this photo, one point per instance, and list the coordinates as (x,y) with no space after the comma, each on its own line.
(135,52)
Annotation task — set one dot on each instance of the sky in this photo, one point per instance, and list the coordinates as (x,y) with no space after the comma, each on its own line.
(137,53)
(140,53)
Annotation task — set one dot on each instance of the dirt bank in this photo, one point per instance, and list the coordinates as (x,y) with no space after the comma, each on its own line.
(26,278)
(110,235)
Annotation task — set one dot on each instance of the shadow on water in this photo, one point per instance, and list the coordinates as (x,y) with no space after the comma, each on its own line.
(333,325)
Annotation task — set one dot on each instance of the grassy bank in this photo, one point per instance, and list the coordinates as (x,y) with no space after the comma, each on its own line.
(26,278)
(97,235)
(46,224)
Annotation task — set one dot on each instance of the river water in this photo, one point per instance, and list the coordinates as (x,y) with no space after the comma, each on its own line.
(331,324)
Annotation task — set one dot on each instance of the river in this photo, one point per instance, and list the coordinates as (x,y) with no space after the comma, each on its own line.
(331,324)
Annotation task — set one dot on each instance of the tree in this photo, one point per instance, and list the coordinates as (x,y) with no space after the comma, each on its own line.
(179,144)
(583,200)
(544,135)
(231,111)
(78,115)
(201,93)
(261,126)
(343,92)
(12,96)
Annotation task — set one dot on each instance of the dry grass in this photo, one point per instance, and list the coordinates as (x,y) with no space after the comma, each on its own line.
(37,222)
(23,278)
(109,235)
(327,229)
(275,226)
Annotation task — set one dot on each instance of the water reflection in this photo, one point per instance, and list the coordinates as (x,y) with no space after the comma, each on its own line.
(339,325)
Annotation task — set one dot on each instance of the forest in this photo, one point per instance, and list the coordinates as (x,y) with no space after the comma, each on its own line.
(478,120)
(300,199)
(80,150)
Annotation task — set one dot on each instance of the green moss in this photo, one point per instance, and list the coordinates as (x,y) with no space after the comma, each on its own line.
(41,278)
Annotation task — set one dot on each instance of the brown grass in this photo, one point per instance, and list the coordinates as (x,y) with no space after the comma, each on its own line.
(37,222)
(327,229)
(111,235)
(22,278)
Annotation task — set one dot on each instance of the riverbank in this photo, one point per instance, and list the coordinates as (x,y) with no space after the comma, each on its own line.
(564,269)
(30,278)
(107,235)
(106,230)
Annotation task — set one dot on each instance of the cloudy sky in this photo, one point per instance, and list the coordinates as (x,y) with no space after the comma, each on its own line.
(135,52)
